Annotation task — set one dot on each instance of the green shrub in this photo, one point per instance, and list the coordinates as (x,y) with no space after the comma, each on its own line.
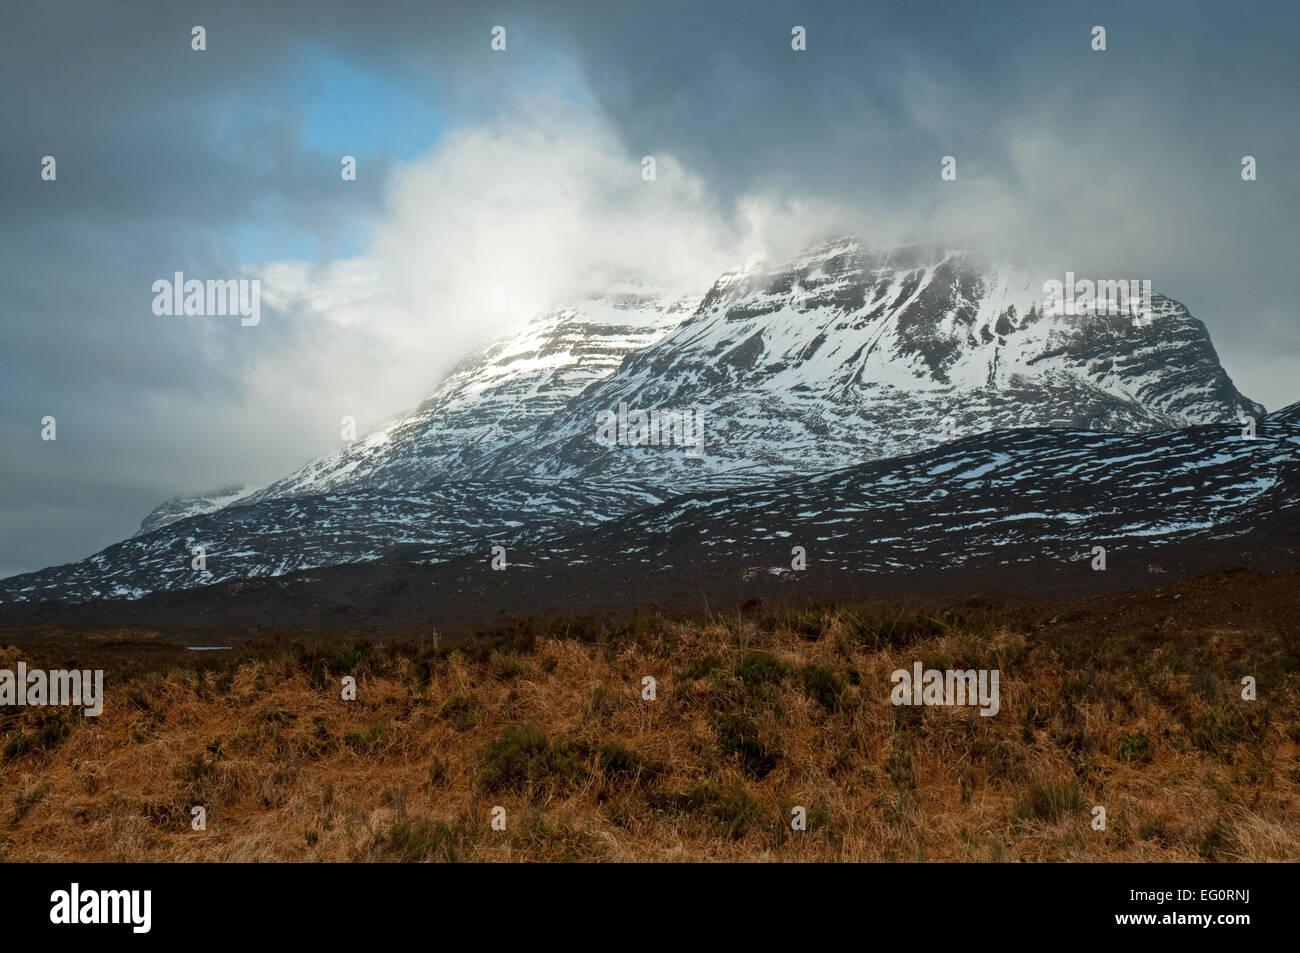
(1135,748)
(739,736)
(518,638)
(506,666)
(1050,802)
(734,812)
(17,744)
(522,758)
(825,685)
(615,758)
(1217,843)
(329,662)
(608,633)
(760,668)
(1220,730)
(891,629)
(458,711)
(365,742)
(701,668)
(418,839)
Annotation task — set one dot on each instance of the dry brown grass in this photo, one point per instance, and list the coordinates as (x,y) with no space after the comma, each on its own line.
(753,716)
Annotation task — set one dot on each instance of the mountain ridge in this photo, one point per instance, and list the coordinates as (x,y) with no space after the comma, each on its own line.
(841,356)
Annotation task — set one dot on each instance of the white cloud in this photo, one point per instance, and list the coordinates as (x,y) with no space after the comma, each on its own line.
(544,205)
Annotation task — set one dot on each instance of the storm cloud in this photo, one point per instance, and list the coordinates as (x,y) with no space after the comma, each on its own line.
(522,169)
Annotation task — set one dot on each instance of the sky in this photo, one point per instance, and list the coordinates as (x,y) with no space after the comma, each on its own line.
(520,169)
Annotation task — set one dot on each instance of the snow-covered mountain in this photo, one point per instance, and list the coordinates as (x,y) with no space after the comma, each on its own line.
(278,536)
(841,357)
(1007,497)
(1289,414)
(845,355)
(198,504)
(1027,498)
(493,399)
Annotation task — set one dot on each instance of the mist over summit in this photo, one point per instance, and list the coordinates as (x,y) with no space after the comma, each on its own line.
(839,356)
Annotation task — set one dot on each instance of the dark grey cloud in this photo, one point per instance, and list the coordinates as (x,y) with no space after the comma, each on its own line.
(1124,161)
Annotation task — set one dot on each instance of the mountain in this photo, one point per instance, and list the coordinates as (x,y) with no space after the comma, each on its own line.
(842,354)
(845,354)
(401,488)
(1013,511)
(492,400)
(1289,414)
(183,507)
(840,357)
(279,536)
(1007,497)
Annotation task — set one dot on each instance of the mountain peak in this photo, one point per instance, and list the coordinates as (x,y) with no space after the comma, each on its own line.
(838,356)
